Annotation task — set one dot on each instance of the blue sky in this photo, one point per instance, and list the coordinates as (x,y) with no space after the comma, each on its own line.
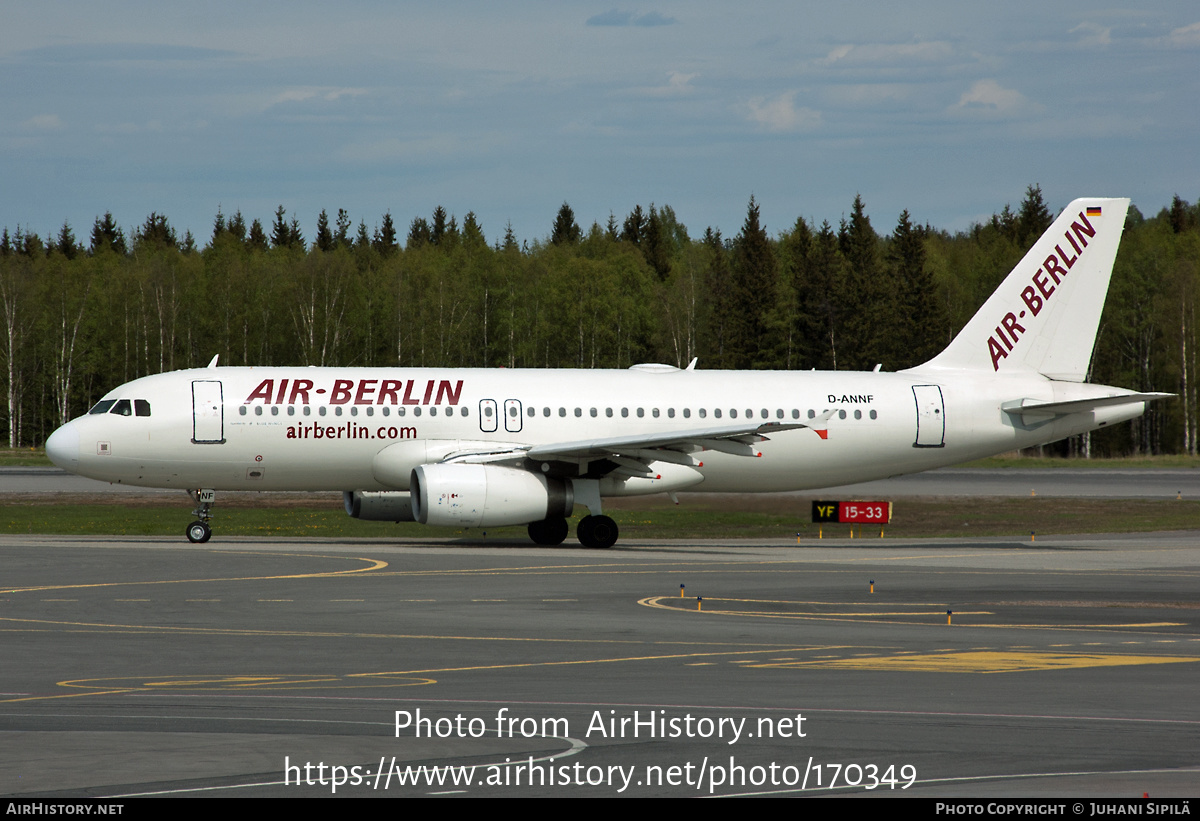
(947,109)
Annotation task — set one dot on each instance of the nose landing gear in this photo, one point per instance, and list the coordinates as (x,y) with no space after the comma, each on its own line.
(199,531)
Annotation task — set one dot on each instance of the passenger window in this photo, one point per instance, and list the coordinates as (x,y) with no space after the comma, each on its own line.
(624,412)
(562,411)
(545,411)
(532,412)
(641,413)
(703,412)
(841,414)
(608,412)
(416,411)
(671,413)
(812,414)
(258,410)
(795,413)
(874,415)
(242,410)
(103,405)
(717,412)
(122,408)
(593,413)
(308,411)
(386,411)
(687,413)
(733,413)
(655,412)
(463,412)
(858,414)
(433,411)
(578,412)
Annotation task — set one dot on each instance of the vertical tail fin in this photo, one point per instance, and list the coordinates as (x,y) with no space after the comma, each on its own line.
(1043,317)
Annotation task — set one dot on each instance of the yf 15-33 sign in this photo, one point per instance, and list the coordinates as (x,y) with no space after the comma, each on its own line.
(867,513)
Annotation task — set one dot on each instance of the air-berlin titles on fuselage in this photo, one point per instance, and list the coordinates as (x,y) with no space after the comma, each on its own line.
(1009,329)
(358,392)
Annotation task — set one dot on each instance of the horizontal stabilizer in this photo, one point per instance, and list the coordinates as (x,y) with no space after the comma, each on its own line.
(1037,407)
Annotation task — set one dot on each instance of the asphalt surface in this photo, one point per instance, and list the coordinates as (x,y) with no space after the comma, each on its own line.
(240,667)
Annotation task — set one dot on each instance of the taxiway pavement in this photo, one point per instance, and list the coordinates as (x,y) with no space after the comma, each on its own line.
(146,666)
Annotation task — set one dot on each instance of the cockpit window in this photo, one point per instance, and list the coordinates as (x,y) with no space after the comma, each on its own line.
(122,408)
(103,405)
(141,407)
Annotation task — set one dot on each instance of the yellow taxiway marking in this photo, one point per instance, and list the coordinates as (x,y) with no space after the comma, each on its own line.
(126,684)
(372,565)
(993,662)
(672,602)
(390,678)
(44,625)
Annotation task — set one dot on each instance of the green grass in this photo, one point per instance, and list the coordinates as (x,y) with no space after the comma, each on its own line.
(23,457)
(1009,460)
(917,518)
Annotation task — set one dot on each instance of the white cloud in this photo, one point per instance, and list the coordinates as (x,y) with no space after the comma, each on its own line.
(875,53)
(1185,36)
(989,97)
(43,122)
(781,114)
(1093,34)
(329,94)
(678,84)
(615,17)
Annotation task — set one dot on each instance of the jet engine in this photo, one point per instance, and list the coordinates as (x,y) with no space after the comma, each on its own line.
(378,506)
(464,495)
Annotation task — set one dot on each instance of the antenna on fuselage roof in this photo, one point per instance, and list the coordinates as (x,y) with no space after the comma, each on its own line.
(692,365)
(213,364)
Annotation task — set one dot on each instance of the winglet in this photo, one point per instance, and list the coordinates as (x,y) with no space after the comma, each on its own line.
(820,424)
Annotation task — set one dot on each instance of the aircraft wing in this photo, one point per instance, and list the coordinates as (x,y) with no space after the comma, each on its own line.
(667,446)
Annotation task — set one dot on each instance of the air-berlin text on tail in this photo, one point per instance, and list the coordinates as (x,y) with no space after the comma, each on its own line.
(357,392)
(1035,296)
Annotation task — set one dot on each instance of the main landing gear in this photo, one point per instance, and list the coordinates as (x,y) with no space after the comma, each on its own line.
(199,531)
(597,531)
(593,531)
(549,532)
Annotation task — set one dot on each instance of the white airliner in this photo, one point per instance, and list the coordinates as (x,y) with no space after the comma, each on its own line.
(478,448)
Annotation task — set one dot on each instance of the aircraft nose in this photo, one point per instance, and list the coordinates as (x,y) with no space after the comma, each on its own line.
(63,447)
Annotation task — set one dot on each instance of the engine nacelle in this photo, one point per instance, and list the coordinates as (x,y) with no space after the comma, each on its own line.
(378,506)
(463,495)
